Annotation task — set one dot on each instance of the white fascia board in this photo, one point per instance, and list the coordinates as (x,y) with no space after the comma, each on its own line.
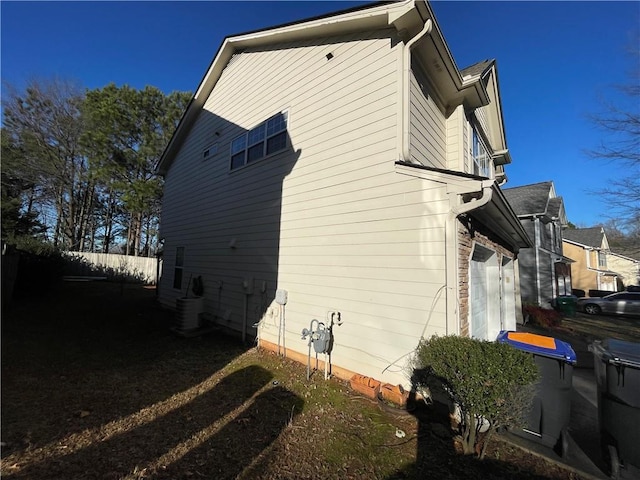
(455,183)
(578,244)
(623,257)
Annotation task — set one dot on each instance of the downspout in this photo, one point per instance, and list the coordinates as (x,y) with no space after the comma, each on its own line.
(536,229)
(555,290)
(405,87)
(451,246)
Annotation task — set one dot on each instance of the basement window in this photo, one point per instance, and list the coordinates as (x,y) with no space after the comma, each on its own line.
(266,139)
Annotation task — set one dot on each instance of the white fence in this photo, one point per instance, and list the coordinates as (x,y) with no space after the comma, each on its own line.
(142,269)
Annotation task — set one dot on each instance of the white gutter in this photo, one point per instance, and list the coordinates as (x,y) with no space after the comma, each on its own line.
(451,248)
(405,87)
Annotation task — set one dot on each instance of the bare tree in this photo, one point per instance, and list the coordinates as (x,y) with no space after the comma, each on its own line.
(620,147)
(45,123)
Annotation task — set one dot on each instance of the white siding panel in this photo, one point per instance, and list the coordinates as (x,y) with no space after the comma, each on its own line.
(328,220)
(428,134)
(455,140)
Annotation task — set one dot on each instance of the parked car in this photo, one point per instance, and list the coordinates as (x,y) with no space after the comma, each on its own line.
(621,303)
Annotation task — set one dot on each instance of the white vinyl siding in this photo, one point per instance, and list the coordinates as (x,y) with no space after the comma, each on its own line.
(329,220)
(455,140)
(428,132)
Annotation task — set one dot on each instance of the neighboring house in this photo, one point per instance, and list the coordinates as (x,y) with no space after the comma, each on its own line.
(545,272)
(589,249)
(627,268)
(343,168)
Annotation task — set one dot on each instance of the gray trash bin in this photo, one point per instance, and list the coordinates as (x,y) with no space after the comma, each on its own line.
(617,370)
(550,412)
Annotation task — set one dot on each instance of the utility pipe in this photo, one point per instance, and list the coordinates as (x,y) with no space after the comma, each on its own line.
(284,331)
(536,230)
(245,308)
(405,88)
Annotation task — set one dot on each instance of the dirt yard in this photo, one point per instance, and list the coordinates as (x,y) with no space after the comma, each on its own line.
(95,386)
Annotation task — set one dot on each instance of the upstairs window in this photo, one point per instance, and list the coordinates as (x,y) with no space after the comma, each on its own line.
(602,259)
(480,155)
(266,139)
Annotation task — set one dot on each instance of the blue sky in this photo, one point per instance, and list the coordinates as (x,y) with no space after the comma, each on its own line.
(556,60)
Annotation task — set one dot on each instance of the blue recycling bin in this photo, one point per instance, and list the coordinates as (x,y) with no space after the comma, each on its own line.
(617,369)
(551,407)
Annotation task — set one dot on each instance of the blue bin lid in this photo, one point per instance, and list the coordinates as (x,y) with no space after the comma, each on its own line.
(617,352)
(539,345)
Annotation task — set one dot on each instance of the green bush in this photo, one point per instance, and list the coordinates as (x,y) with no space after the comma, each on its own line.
(542,317)
(492,383)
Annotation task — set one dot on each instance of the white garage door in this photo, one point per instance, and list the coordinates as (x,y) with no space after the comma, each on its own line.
(484,294)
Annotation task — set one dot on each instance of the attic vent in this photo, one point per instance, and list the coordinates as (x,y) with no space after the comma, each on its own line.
(329,56)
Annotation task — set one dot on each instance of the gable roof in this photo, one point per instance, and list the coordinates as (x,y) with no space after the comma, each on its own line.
(537,199)
(589,237)
(408,17)
(529,200)
(555,208)
(476,69)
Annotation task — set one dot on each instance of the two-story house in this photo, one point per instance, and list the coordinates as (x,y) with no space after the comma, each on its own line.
(344,169)
(545,272)
(589,249)
(626,267)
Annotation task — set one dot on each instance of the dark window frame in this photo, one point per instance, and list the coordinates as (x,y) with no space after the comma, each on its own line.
(262,141)
(178,268)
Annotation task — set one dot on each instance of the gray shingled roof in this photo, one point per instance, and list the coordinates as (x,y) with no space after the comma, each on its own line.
(476,69)
(530,199)
(591,237)
(553,209)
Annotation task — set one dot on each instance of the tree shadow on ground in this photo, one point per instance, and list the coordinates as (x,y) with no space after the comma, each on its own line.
(438,457)
(215,435)
(90,354)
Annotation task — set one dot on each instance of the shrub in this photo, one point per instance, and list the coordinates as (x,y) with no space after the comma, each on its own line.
(491,383)
(39,270)
(542,317)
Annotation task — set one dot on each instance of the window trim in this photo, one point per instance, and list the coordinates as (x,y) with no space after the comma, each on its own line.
(477,140)
(210,151)
(249,143)
(602,259)
(178,266)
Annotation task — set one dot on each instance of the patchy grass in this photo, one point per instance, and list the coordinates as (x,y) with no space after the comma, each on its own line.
(94,386)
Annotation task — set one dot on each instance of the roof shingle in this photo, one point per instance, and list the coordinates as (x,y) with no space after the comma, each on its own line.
(531,199)
(591,237)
